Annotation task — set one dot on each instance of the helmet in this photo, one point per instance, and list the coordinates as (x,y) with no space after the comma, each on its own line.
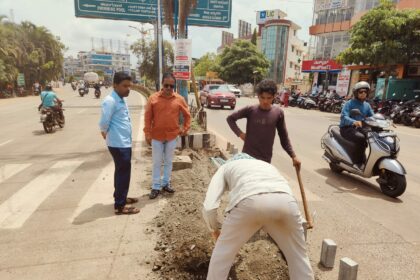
(360,85)
(48,86)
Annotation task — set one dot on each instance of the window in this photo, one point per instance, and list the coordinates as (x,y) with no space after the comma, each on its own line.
(291,64)
(294,32)
(293,48)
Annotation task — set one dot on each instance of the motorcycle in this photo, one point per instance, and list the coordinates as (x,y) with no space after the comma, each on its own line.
(50,118)
(97,93)
(73,86)
(415,117)
(383,147)
(83,91)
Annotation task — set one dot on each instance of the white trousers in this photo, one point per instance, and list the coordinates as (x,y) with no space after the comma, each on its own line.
(278,214)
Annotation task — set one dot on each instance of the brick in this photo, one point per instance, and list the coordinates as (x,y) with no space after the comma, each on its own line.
(348,269)
(329,248)
(197,142)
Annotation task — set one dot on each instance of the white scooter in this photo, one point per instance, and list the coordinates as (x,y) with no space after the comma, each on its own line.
(383,148)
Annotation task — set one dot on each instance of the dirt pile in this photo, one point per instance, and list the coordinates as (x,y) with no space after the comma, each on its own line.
(185,244)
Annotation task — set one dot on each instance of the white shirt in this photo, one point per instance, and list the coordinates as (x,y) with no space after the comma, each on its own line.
(242,178)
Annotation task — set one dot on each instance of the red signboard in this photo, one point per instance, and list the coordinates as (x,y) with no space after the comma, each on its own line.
(321,66)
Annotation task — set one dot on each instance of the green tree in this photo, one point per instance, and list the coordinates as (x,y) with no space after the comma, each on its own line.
(147,54)
(239,62)
(254,37)
(384,37)
(206,63)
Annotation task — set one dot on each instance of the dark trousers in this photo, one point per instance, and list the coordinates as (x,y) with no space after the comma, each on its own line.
(122,174)
(351,134)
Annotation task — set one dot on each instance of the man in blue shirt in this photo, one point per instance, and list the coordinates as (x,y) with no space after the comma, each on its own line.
(50,100)
(115,126)
(349,124)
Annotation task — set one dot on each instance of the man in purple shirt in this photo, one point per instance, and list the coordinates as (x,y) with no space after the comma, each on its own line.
(262,121)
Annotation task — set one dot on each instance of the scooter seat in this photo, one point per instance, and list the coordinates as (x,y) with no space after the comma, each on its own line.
(349,146)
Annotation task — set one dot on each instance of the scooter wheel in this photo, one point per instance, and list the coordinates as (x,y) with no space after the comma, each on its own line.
(394,185)
(336,169)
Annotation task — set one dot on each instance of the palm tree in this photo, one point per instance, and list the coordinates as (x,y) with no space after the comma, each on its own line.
(185,7)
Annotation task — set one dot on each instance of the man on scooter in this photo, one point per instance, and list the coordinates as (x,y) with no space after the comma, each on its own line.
(349,124)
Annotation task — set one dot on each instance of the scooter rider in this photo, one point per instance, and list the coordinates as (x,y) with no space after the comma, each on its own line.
(50,100)
(349,124)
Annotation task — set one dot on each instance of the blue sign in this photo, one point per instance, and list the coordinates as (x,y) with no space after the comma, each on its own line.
(213,13)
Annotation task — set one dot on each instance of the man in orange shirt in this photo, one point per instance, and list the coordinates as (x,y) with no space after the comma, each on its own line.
(161,127)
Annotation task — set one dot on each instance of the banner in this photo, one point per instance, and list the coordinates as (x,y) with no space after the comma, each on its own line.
(343,81)
(182,64)
(320,66)
(328,4)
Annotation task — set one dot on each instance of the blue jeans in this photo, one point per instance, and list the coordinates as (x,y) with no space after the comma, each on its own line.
(162,151)
(122,174)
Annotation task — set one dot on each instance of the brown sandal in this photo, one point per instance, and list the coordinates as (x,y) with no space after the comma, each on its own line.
(126,210)
(131,200)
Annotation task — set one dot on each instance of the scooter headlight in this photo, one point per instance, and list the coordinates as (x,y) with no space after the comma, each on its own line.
(389,139)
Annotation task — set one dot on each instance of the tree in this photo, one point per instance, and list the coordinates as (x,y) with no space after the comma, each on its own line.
(254,37)
(205,64)
(384,37)
(241,62)
(147,52)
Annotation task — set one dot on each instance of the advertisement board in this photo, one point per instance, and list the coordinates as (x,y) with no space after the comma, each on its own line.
(263,16)
(328,4)
(343,82)
(320,66)
(182,64)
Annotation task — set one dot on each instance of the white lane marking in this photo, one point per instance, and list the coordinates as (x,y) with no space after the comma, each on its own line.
(100,192)
(7,142)
(18,208)
(9,170)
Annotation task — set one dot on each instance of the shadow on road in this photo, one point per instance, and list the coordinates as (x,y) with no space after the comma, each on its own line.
(101,211)
(347,183)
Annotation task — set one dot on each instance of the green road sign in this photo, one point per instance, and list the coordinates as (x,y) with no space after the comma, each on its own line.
(21,80)
(207,13)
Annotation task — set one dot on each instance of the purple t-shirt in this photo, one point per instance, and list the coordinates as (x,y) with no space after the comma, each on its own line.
(261,127)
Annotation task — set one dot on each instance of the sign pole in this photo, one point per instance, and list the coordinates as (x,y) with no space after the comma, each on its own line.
(159,43)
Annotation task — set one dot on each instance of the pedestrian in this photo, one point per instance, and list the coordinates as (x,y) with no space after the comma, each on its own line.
(115,126)
(286,98)
(259,198)
(262,122)
(161,128)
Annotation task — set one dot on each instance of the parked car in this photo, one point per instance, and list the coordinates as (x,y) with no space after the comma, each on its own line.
(235,90)
(217,95)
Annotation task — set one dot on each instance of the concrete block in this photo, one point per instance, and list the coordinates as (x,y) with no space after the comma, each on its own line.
(348,269)
(231,149)
(234,151)
(329,248)
(179,143)
(181,162)
(197,141)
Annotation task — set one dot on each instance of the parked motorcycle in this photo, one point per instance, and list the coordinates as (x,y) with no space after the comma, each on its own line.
(73,86)
(415,117)
(51,118)
(383,146)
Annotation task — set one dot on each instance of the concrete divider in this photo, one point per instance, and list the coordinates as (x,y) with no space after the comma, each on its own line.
(348,269)
(328,251)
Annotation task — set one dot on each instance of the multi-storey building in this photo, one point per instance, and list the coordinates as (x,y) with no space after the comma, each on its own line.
(332,21)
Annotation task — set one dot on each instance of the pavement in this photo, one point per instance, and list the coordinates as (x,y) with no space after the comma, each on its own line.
(380,233)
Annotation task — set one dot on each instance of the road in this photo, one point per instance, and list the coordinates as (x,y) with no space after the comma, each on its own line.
(380,233)
(56,205)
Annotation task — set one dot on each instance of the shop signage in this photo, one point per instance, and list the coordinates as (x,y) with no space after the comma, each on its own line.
(320,66)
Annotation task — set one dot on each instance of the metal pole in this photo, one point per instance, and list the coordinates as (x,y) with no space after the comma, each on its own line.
(159,42)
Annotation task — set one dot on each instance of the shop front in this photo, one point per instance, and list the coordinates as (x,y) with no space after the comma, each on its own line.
(326,74)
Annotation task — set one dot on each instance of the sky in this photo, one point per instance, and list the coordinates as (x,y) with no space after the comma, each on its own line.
(76,33)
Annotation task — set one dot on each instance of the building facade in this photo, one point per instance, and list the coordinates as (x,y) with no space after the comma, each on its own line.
(244,29)
(94,61)
(332,21)
(279,42)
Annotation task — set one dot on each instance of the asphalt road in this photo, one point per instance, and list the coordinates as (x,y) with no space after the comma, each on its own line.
(56,204)
(380,233)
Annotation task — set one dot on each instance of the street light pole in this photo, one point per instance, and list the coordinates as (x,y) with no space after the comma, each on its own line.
(159,42)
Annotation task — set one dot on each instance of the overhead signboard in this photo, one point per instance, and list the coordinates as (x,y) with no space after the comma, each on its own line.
(213,13)
(182,64)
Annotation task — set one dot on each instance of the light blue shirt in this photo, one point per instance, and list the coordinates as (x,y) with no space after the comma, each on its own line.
(48,98)
(363,107)
(115,120)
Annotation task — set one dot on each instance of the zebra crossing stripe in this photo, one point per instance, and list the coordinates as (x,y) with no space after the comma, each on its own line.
(19,207)
(100,192)
(9,170)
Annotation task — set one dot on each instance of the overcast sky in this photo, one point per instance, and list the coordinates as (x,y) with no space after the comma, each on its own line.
(58,16)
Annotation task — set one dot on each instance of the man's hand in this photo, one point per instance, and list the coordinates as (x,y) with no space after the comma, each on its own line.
(357,124)
(296,162)
(242,136)
(103,134)
(149,140)
(183,132)
(215,235)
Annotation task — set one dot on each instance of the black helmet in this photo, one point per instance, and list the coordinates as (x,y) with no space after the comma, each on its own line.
(48,86)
